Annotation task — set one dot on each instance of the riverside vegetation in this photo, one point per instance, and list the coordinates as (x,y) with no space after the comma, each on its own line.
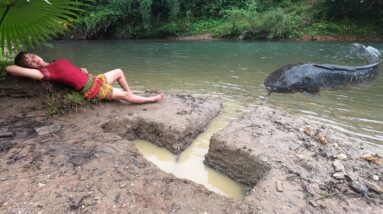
(246,19)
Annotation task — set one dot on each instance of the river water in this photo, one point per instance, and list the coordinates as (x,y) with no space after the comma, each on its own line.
(235,71)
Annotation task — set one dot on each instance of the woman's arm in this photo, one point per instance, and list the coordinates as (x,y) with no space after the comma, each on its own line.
(15,70)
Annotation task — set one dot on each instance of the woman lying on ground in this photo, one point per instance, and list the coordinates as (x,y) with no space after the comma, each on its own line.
(91,86)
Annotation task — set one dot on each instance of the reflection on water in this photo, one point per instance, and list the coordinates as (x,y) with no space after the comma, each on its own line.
(235,71)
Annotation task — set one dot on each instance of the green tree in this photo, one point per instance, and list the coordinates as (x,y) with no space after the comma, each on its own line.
(28,23)
(360,9)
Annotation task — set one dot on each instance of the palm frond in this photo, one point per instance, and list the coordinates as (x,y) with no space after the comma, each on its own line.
(28,23)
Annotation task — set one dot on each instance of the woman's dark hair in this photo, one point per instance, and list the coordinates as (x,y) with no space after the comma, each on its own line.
(20,59)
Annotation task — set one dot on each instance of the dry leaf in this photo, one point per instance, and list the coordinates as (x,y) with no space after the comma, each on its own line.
(322,138)
(309,131)
(376,159)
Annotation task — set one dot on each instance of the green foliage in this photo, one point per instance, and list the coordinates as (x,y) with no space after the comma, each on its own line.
(145,10)
(170,29)
(261,19)
(75,98)
(271,24)
(247,14)
(174,8)
(341,9)
(265,5)
(275,24)
(61,99)
(205,26)
(148,18)
(126,18)
(29,23)
(219,28)
(344,28)
(3,64)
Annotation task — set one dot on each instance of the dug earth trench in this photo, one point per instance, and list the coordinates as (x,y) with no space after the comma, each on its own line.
(295,166)
(83,162)
(173,124)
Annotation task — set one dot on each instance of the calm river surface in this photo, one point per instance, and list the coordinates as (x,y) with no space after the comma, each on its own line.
(235,71)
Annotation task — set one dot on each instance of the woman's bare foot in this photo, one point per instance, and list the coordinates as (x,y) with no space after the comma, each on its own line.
(158,98)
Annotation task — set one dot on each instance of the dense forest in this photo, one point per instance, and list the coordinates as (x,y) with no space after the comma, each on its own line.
(245,19)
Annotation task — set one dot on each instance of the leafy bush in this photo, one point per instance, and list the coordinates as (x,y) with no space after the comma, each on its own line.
(275,24)
(170,29)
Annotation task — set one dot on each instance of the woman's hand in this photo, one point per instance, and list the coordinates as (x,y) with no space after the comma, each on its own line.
(84,70)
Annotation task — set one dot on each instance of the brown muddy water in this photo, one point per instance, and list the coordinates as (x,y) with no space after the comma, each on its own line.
(235,71)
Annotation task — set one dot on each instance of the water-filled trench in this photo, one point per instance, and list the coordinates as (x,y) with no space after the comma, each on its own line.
(189,164)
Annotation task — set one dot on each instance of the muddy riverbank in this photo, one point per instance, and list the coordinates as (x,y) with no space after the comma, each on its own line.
(84,161)
(70,163)
(295,166)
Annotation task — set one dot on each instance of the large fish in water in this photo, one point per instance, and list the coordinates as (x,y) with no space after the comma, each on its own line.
(310,78)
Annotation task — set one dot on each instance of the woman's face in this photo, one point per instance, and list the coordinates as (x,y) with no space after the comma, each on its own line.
(33,61)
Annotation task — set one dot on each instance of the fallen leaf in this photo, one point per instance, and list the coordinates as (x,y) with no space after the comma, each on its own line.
(309,131)
(376,159)
(322,138)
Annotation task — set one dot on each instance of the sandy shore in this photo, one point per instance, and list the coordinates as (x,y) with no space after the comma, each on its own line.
(84,162)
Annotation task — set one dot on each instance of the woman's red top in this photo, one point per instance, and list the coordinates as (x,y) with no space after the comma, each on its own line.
(63,71)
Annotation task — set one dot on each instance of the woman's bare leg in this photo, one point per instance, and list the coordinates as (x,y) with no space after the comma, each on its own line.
(127,94)
(132,98)
(117,74)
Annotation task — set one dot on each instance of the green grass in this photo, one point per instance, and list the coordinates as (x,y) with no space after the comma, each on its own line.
(3,73)
(62,99)
(219,28)
(344,28)
(60,103)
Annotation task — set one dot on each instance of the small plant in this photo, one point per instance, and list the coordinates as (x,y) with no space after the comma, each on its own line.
(61,99)
(275,24)
(75,98)
(3,73)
